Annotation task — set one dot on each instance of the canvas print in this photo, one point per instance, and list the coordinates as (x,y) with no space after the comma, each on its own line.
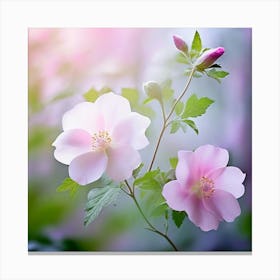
(139,140)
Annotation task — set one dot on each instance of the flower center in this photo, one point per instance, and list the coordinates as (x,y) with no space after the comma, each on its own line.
(100,140)
(204,187)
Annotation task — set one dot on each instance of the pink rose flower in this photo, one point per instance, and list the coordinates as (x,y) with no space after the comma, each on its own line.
(99,137)
(206,189)
(208,58)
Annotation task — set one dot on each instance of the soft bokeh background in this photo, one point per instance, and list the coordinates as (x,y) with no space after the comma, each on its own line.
(64,64)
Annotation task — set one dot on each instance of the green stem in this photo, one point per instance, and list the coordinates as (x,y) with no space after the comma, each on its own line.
(166,119)
(163,110)
(182,94)
(152,228)
(157,145)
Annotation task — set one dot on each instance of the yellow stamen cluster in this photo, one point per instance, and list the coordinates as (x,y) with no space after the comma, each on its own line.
(100,140)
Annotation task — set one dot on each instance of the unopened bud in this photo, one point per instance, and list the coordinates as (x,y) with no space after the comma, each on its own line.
(180,44)
(153,90)
(208,58)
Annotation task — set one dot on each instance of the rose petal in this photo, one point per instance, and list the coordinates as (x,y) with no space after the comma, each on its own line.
(183,169)
(122,161)
(200,216)
(131,131)
(229,179)
(83,116)
(88,167)
(208,158)
(223,204)
(175,195)
(70,144)
(113,107)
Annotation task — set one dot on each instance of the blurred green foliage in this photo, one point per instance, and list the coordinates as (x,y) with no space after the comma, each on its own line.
(245,224)
(41,136)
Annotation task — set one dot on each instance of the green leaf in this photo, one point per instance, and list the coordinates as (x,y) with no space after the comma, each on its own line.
(131,94)
(152,180)
(178,217)
(175,125)
(136,171)
(151,185)
(148,181)
(204,50)
(181,123)
(91,95)
(102,182)
(196,45)
(216,74)
(191,124)
(182,58)
(183,127)
(170,175)
(195,74)
(162,178)
(152,199)
(68,185)
(98,198)
(167,91)
(148,100)
(196,107)
(159,210)
(179,108)
(173,162)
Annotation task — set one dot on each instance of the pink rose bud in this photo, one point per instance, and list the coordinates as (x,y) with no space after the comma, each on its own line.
(180,44)
(208,58)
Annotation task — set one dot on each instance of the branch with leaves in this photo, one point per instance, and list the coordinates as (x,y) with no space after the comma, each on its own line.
(102,138)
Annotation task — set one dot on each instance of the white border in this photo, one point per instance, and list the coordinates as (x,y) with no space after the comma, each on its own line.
(262,16)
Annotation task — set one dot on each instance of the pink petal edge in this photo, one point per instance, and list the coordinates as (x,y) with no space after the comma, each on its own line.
(70,144)
(223,204)
(88,168)
(121,162)
(175,195)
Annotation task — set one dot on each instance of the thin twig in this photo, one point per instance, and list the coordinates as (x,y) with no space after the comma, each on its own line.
(166,119)
(152,228)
